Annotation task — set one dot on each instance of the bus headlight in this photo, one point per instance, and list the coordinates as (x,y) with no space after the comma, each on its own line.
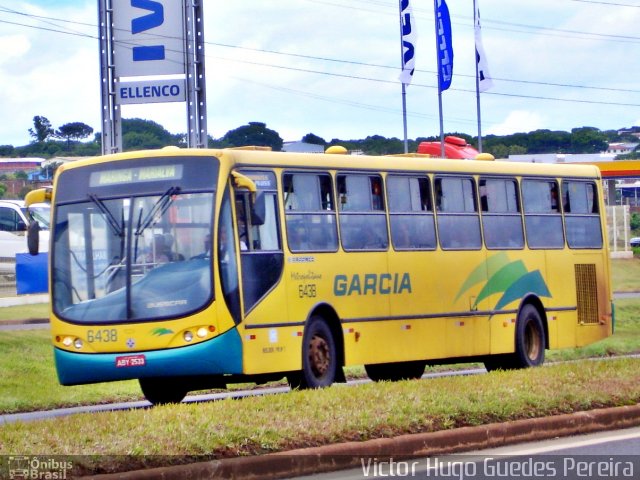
(188,336)
(67,341)
(77,343)
(202,332)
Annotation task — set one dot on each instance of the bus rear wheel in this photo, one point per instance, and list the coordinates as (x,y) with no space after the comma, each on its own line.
(393,372)
(319,357)
(162,391)
(529,343)
(530,338)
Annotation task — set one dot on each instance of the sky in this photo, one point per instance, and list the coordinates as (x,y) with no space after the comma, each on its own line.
(331,67)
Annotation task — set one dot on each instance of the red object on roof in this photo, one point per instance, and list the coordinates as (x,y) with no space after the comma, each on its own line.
(454,147)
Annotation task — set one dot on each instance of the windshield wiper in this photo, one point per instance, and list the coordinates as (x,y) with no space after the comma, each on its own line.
(117,228)
(161,206)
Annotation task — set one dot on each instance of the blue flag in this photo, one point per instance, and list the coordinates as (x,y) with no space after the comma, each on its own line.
(445,47)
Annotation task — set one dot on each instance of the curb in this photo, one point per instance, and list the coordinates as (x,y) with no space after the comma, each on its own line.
(343,456)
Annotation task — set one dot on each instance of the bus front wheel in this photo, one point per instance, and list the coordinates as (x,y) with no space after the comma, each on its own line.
(161,391)
(319,357)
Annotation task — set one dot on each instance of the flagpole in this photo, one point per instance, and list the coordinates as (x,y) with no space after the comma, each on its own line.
(404,88)
(475,25)
(435,10)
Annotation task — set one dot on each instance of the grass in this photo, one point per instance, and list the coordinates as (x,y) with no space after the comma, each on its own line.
(24,312)
(298,419)
(625,274)
(29,382)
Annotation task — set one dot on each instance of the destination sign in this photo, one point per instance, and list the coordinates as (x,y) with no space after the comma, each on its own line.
(120,176)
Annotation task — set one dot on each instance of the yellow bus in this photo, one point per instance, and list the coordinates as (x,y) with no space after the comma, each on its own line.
(191,269)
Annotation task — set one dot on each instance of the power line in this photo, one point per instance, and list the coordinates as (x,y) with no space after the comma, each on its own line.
(420,85)
(351,62)
(607,3)
(318,72)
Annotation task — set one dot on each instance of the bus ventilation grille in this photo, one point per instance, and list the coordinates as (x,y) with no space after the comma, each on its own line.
(586,292)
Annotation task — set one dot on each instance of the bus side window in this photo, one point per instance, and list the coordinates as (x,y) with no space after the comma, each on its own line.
(310,212)
(363,223)
(410,211)
(582,222)
(458,222)
(501,217)
(542,218)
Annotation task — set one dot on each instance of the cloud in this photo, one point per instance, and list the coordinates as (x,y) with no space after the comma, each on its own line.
(517,121)
(13,46)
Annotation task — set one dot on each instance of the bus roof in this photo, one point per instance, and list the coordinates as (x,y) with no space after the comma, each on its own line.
(262,158)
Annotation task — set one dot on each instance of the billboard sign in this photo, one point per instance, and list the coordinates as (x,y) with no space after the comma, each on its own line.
(148,37)
(150,91)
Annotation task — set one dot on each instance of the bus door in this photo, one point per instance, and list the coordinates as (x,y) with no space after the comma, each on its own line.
(264,302)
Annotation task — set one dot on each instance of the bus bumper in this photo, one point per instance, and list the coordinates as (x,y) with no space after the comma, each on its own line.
(220,355)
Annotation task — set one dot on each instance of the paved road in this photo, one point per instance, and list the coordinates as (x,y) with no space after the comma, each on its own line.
(609,454)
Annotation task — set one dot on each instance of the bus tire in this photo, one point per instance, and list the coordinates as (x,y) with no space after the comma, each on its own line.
(162,391)
(319,357)
(530,338)
(393,372)
(529,344)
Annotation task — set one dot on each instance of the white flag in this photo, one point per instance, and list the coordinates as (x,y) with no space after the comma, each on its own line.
(484,78)
(409,37)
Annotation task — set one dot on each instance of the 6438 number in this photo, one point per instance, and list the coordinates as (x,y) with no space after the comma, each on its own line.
(102,335)
(307,290)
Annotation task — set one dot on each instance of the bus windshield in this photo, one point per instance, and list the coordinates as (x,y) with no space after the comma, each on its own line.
(132,250)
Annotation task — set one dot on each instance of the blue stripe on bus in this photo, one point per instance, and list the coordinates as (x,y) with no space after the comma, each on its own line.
(222,354)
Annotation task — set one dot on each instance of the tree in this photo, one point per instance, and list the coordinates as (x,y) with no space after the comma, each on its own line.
(42,129)
(588,140)
(138,134)
(73,131)
(49,169)
(314,139)
(6,150)
(141,141)
(256,133)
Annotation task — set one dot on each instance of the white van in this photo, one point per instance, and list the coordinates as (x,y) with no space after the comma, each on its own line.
(14,220)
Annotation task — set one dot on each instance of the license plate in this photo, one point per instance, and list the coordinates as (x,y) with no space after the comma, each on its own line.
(131,361)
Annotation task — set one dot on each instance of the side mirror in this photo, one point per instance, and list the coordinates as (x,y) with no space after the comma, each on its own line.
(259,210)
(33,238)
